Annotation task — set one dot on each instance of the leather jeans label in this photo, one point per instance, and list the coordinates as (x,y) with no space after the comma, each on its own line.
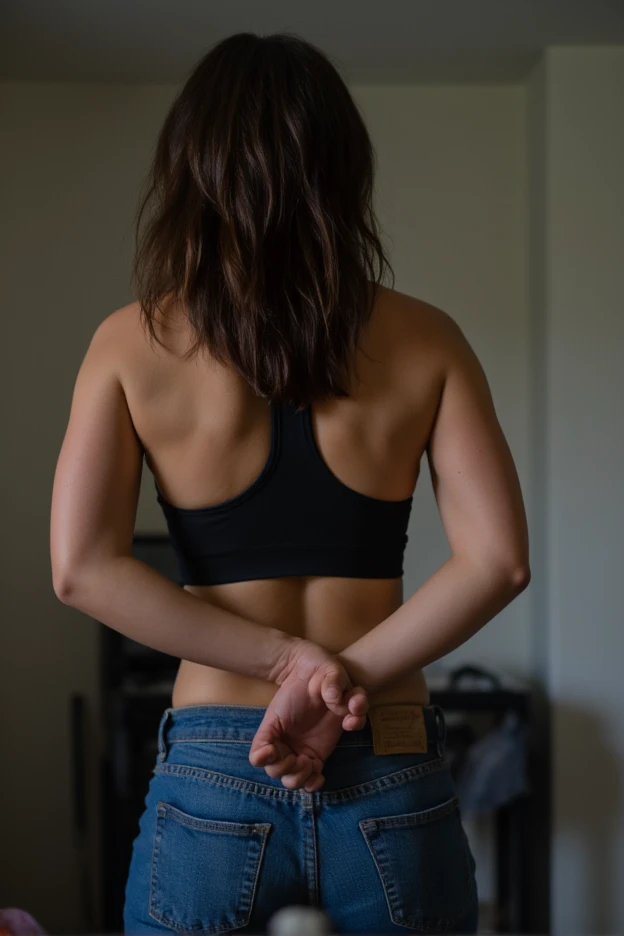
(398,729)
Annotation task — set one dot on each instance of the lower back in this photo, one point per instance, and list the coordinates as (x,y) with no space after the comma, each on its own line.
(333,612)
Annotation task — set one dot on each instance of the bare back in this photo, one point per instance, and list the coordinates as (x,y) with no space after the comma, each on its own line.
(206,438)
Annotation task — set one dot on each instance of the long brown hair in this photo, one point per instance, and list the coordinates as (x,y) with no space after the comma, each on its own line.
(257,217)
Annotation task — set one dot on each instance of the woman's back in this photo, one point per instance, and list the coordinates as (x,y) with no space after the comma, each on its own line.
(206,437)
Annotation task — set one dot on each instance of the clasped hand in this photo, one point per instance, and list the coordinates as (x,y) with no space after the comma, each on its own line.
(314,704)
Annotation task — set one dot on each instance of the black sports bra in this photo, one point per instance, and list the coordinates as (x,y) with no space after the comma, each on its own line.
(296,518)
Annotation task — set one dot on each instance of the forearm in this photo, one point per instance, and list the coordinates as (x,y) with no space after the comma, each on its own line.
(132,598)
(451,606)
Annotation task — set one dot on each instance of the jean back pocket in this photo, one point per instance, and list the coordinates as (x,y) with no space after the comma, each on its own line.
(204,871)
(425,866)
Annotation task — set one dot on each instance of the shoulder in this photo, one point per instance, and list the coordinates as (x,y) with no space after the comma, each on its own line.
(425,331)
(418,313)
(122,344)
(118,353)
(116,335)
(119,332)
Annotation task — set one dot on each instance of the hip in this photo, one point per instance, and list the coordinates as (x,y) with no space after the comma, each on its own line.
(223,846)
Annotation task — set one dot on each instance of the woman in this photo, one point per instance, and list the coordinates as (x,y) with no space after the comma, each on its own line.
(283,399)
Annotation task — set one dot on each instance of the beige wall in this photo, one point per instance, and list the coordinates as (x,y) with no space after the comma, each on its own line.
(577,173)
(452,195)
(71,159)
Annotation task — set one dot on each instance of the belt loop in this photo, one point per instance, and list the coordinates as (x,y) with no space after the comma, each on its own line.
(440,730)
(162,737)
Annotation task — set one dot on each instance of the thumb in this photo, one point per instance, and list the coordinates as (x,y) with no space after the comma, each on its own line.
(335,682)
(265,744)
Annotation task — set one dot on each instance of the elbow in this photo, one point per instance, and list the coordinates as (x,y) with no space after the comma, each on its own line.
(518,577)
(507,576)
(68,585)
(82,584)
(64,587)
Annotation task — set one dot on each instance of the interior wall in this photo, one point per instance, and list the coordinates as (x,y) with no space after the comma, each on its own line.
(72,156)
(452,199)
(541,761)
(71,161)
(580,91)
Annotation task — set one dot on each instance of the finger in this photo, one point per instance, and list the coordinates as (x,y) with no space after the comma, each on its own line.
(269,753)
(314,783)
(358,705)
(266,754)
(281,767)
(335,682)
(354,722)
(357,701)
(266,743)
(299,776)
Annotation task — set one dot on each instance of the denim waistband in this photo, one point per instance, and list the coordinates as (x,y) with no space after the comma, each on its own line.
(240,723)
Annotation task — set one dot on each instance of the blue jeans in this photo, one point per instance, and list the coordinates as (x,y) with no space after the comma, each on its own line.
(222,846)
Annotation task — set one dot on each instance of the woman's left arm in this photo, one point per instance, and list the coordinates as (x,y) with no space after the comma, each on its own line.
(94,506)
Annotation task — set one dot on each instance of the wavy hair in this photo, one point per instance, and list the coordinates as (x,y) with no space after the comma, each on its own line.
(257,217)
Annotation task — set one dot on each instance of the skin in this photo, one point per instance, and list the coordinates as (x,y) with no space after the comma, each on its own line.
(420,391)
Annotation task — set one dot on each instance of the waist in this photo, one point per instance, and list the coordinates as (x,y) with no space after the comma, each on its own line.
(333,613)
(239,723)
(211,743)
(198,685)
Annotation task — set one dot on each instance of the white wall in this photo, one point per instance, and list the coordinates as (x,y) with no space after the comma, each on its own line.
(452,194)
(577,100)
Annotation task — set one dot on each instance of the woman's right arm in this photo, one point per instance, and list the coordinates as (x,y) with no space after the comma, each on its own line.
(481,507)
(94,505)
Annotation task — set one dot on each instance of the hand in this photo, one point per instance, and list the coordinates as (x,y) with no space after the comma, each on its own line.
(315,703)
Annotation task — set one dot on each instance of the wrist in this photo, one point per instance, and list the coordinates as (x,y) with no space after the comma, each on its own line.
(358,673)
(280,650)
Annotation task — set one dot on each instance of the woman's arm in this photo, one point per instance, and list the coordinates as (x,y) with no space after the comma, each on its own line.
(94,505)
(480,503)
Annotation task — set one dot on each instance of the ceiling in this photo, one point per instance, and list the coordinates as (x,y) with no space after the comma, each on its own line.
(372,41)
